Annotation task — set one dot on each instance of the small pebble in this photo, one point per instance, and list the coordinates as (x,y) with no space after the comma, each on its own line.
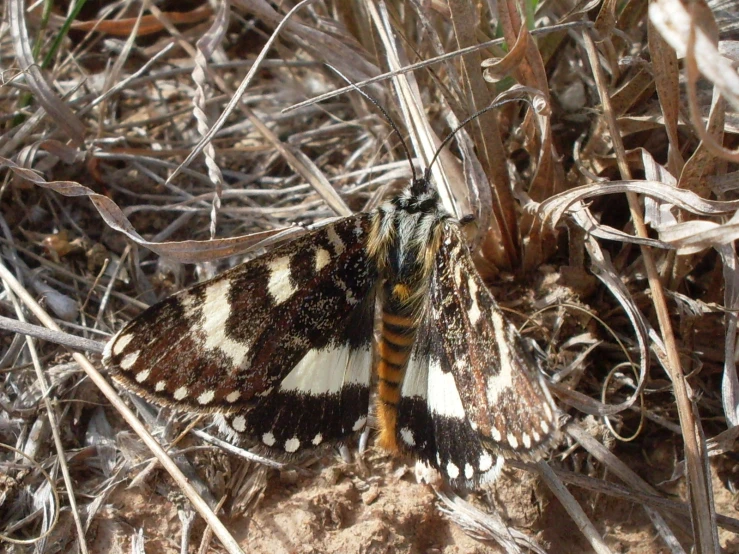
(371,495)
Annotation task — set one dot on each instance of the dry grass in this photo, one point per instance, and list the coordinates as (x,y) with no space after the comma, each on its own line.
(138,138)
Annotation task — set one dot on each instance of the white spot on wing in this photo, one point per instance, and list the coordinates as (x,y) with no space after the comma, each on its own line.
(190,305)
(120,343)
(548,412)
(359,423)
(206,397)
(486,462)
(233,396)
(495,433)
(474,311)
(216,310)
(239,423)
(180,393)
(268,439)
(350,298)
(335,240)
(160,386)
(458,275)
(544,427)
(504,380)
(526,440)
(443,396)
(142,376)
(129,360)
(292,445)
(512,440)
(318,439)
(416,379)
(407,436)
(323,258)
(328,371)
(469,471)
(279,286)
(452,470)
(491,468)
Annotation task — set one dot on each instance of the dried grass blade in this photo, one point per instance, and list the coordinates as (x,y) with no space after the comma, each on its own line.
(53,418)
(142,26)
(692,237)
(205,48)
(674,23)
(630,494)
(182,251)
(553,209)
(667,81)
(620,469)
(701,496)
(57,109)
(65,339)
(487,135)
(730,382)
(573,508)
(236,98)
(422,136)
(606,273)
(485,526)
(576,25)
(303,166)
(588,223)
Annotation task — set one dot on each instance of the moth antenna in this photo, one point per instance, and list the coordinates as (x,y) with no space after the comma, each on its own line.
(427,172)
(385,115)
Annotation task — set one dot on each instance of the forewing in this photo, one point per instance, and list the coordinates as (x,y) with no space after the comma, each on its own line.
(272,328)
(501,391)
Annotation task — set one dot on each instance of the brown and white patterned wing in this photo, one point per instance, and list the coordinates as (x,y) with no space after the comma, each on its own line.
(281,344)
(470,396)
(501,388)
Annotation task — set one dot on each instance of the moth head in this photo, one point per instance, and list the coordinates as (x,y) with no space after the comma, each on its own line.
(421,197)
(420,185)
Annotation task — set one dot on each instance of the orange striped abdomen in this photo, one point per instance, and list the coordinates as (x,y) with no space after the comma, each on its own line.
(396,342)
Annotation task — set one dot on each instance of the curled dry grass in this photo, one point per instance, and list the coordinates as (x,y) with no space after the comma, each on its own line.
(605,183)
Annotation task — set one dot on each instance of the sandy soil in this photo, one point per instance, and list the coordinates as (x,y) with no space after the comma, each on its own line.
(375,510)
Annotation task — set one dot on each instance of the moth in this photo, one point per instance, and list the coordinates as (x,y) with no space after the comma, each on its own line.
(282,346)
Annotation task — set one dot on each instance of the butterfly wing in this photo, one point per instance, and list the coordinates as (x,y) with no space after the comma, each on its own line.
(471,396)
(432,423)
(281,344)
